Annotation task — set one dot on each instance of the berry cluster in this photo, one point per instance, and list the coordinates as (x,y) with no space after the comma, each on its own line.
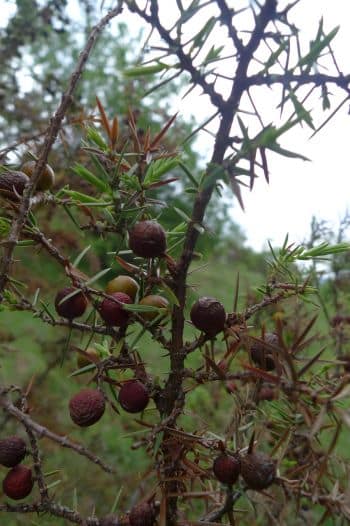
(257,469)
(19,481)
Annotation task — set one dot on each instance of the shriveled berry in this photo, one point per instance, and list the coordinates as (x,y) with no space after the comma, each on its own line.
(18,482)
(112,312)
(226,468)
(208,315)
(258,470)
(12,451)
(153,300)
(87,407)
(11,184)
(73,307)
(147,239)
(124,284)
(142,515)
(133,396)
(261,355)
(47,178)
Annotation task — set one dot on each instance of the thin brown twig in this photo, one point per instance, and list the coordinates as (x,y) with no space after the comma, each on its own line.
(37,464)
(52,508)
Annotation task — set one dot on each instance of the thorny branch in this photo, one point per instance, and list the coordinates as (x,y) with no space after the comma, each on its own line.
(169,400)
(42,431)
(175,48)
(316,79)
(53,509)
(50,138)
(226,15)
(57,510)
(173,391)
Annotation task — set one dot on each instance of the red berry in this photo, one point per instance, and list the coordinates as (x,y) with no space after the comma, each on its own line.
(112,312)
(18,482)
(208,315)
(142,515)
(73,307)
(87,407)
(226,468)
(147,239)
(12,451)
(133,396)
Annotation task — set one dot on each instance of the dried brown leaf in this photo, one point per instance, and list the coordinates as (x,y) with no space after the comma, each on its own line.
(162,132)
(104,119)
(114,132)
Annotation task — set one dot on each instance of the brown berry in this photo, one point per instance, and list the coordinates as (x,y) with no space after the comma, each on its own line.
(11,184)
(153,300)
(208,315)
(258,470)
(47,178)
(90,356)
(226,468)
(18,482)
(12,451)
(87,407)
(147,239)
(266,393)
(112,312)
(74,306)
(142,515)
(133,396)
(261,355)
(124,284)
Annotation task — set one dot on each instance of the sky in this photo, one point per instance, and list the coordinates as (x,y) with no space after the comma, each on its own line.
(298,190)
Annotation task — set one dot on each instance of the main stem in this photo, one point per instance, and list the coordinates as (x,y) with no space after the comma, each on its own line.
(173,395)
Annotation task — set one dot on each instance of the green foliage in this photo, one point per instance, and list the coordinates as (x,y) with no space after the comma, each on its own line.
(205,390)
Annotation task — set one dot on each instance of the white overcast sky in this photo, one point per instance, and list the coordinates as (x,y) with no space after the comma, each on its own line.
(298,190)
